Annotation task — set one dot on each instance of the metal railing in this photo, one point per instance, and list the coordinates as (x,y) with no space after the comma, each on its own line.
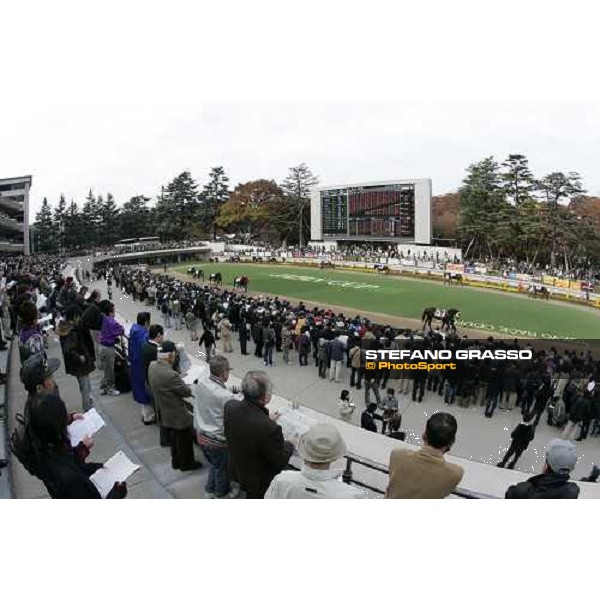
(349,478)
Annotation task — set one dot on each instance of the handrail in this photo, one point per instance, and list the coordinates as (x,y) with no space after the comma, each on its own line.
(348,477)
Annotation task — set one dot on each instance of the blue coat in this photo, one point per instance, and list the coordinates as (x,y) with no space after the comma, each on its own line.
(138,336)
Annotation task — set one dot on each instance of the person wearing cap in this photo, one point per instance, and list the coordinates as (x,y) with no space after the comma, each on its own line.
(37,377)
(169,391)
(257,449)
(553,483)
(426,474)
(320,447)
(210,397)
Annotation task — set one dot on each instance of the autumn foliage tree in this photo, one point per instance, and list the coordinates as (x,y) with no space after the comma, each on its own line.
(444,211)
(250,206)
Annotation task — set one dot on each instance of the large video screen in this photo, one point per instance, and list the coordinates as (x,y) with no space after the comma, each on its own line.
(369,212)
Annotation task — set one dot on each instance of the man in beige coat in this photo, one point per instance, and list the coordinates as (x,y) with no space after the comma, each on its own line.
(425,473)
(169,390)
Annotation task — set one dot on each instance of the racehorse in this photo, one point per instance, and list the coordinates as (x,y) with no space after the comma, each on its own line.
(215,278)
(453,278)
(327,265)
(241,282)
(538,291)
(381,269)
(196,273)
(448,317)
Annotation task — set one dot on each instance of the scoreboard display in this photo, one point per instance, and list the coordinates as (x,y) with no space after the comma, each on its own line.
(335,212)
(378,212)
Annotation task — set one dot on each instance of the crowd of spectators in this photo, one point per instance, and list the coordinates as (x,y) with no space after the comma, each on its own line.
(555,382)
(239,437)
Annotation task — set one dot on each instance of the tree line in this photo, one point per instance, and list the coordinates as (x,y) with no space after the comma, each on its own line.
(279,212)
(502,211)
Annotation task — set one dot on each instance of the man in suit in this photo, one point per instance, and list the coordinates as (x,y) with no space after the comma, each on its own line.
(257,449)
(169,390)
(426,474)
(149,354)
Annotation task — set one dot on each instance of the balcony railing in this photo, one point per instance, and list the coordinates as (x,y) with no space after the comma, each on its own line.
(349,477)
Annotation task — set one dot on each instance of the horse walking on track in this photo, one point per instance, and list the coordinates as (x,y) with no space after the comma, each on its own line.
(241,282)
(327,265)
(538,291)
(453,278)
(448,317)
(215,278)
(196,273)
(381,269)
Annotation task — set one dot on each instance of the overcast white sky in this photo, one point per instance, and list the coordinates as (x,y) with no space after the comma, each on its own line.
(125,96)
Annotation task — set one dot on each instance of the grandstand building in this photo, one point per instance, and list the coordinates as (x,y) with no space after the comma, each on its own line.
(388,211)
(14,214)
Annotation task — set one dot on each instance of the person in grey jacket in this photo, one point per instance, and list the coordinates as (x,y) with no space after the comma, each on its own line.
(210,397)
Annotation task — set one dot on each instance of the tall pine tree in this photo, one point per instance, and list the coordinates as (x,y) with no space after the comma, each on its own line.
(297,186)
(110,219)
(214,194)
(60,213)
(45,238)
(179,204)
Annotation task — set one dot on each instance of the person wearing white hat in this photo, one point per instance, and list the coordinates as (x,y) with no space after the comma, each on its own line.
(319,447)
(553,483)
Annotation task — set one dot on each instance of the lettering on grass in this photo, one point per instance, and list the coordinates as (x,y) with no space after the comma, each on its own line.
(513,331)
(332,282)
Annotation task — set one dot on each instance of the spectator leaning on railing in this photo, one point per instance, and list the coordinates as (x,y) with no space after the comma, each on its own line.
(425,473)
(553,483)
(257,449)
(319,448)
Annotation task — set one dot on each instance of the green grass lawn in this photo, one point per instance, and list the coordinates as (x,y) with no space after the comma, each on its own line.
(406,297)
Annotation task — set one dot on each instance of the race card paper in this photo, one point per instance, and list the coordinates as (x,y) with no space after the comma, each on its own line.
(116,470)
(91,423)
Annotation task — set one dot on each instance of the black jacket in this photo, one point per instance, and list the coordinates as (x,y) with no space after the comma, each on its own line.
(79,361)
(91,318)
(368,422)
(149,354)
(207,338)
(523,434)
(67,477)
(550,486)
(257,449)
(579,410)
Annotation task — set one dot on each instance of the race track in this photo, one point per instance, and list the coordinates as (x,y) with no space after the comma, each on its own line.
(506,314)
